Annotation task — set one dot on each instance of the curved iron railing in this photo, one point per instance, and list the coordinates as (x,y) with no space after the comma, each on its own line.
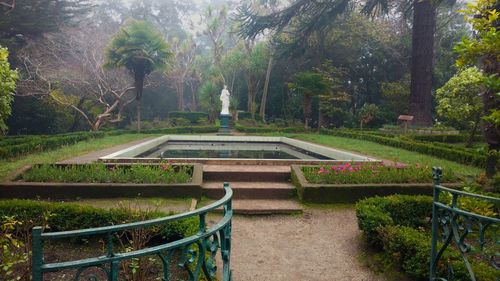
(207,240)
(468,231)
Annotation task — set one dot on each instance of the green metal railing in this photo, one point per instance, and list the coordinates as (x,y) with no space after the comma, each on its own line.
(471,233)
(206,242)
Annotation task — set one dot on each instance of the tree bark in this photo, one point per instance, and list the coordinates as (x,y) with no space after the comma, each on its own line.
(263,102)
(307,110)
(424,24)
(139,76)
(180,96)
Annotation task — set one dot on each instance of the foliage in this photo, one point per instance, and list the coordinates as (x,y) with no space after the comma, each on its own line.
(399,225)
(100,173)
(192,117)
(8,79)
(371,173)
(396,95)
(459,100)
(12,147)
(11,254)
(435,149)
(141,49)
(367,113)
(20,216)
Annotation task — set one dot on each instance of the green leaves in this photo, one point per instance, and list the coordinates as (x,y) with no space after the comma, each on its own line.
(8,80)
(138,47)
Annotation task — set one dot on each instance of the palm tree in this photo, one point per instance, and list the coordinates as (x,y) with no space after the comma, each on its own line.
(309,16)
(309,84)
(141,49)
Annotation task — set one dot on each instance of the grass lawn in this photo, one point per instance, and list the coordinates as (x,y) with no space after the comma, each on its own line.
(11,165)
(386,152)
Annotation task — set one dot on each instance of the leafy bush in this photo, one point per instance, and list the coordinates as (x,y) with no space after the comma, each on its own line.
(100,173)
(399,225)
(18,217)
(192,117)
(243,115)
(434,149)
(268,129)
(363,174)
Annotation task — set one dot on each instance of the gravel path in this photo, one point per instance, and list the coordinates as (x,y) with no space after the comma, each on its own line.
(321,244)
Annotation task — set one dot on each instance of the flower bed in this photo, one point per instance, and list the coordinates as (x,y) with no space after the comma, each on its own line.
(348,183)
(365,173)
(59,181)
(100,173)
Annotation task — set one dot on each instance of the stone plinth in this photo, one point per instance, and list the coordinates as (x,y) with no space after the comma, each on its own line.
(224,124)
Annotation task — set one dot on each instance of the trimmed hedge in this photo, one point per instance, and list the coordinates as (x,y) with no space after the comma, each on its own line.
(20,146)
(445,138)
(263,130)
(173,130)
(397,224)
(434,149)
(193,117)
(70,216)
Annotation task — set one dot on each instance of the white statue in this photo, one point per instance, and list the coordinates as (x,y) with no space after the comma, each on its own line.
(224,98)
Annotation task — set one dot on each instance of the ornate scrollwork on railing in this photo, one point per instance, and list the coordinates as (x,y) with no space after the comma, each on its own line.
(458,225)
(197,252)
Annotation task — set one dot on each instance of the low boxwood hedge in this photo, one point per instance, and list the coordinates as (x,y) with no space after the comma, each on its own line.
(193,117)
(399,225)
(433,149)
(17,146)
(71,216)
(263,130)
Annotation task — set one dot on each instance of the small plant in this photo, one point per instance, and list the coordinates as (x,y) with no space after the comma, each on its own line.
(100,173)
(377,173)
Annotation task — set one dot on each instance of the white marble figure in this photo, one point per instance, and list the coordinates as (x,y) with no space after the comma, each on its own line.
(224,97)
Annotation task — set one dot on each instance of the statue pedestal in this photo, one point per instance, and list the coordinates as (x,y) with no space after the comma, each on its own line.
(224,124)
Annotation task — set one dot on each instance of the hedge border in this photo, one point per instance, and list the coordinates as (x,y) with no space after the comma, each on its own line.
(433,149)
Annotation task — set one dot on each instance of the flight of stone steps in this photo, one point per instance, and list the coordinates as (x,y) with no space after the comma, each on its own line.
(256,189)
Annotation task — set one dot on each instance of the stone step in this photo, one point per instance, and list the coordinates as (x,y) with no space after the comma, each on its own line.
(233,173)
(264,207)
(250,190)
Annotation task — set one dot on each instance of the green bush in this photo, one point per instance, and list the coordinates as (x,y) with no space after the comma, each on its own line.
(70,216)
(192,117)
(399,225)
(243,115)
(30,144)
(444,138)
(434,149)
(100,173)
(268,129)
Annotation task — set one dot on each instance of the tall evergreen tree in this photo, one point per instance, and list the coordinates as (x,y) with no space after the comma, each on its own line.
(303,17)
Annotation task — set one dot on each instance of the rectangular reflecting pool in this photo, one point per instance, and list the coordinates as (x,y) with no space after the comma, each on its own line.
(242,149)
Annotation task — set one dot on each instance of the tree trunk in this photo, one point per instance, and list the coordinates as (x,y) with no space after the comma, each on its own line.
(307,110)
(180,96)
(422,54)
(490,130)
(194,105)
(139,86)
(263,102)
(250,104)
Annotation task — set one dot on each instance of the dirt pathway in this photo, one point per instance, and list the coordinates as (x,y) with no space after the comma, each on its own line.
(321,244)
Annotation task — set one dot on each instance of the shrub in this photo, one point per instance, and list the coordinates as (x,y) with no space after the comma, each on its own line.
(434,149)
(399,225)
(100,173)
(243,115)
(191,117)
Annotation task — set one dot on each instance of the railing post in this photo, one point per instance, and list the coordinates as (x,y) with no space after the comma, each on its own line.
(436,174)
(226,242)
(37,253)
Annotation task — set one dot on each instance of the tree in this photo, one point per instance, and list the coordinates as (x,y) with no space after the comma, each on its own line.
(141,49)
(182,69)
(483,49)
(8,79)
(459,101)
(25,19)
(309,84)
(67,67)
(303,18)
